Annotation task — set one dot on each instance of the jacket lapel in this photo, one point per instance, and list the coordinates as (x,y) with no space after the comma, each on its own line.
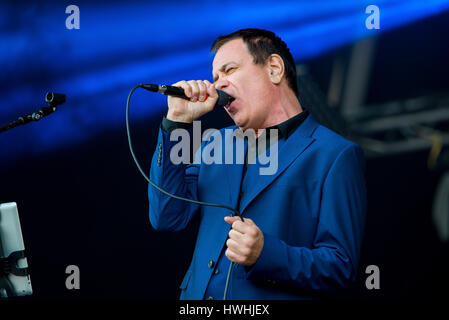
(291,149)
(234,170)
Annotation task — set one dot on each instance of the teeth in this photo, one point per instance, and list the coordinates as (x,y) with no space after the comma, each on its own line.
(230,101)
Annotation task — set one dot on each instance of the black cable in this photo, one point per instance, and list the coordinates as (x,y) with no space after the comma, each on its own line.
(227,280)
(151,182)
(168,193)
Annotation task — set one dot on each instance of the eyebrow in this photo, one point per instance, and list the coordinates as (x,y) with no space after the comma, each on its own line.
(223,67)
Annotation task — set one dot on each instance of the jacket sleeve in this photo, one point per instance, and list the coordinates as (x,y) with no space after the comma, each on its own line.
(181,179)
(332,261)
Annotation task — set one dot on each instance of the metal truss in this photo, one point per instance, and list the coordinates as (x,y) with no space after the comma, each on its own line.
(399,127)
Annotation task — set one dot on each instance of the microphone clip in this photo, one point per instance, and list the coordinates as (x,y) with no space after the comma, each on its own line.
(52,99)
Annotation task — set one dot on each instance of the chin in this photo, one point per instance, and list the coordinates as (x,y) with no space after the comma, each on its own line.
(240,123)
(240,120)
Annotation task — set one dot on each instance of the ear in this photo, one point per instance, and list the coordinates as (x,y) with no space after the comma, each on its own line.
(276,68)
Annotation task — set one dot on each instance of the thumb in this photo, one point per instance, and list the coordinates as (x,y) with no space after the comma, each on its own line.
(231,220)
(212,96)
(211,91)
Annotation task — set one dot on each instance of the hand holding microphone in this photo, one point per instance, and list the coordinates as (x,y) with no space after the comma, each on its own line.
(203,98)
(189,100)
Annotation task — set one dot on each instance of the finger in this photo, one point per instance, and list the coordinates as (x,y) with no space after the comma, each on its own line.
(235,247)
(184,85)
(203,90)
(195,90)
(211,91)
(235,235)
(231,220)
(249,222)
(241,226)
(234,257)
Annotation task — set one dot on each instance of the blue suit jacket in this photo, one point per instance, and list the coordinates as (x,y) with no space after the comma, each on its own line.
(311,212)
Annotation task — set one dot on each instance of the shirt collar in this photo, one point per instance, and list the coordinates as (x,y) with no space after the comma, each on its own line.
(286,128)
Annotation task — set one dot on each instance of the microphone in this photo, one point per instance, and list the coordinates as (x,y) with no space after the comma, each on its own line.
(223,98)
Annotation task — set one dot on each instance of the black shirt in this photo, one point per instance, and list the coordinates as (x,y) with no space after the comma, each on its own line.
(289,126)
(285,129)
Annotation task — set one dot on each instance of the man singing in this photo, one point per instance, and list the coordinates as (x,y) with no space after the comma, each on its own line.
(302,225)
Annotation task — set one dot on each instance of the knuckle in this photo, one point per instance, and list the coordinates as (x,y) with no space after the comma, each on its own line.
(246,252)
(252,232)
(192,84)
(183,84)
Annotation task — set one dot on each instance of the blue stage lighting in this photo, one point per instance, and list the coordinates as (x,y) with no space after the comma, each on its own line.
(121,44)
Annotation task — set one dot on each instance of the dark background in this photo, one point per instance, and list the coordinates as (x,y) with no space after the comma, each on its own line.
(86,204)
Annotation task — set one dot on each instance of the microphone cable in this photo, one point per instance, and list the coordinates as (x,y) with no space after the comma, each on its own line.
(170,194)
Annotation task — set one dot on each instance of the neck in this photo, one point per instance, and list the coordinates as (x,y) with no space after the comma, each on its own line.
(284,106)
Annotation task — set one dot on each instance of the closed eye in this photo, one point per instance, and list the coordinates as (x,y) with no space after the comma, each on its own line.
(226,69)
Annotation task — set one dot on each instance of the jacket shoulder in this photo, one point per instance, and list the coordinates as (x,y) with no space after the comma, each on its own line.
(331,140)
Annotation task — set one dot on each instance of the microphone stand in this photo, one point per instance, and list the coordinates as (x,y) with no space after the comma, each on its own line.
(53,100)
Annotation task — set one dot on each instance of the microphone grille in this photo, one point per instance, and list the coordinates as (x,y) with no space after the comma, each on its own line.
(223,99)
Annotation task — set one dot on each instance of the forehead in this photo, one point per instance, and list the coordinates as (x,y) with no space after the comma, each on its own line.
(234,50)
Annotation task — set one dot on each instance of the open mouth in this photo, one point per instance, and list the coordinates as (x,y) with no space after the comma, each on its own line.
(230,100)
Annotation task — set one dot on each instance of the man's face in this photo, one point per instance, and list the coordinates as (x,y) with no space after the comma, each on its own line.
(236,74)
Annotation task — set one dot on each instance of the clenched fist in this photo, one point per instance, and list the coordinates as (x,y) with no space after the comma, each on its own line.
(245,241)
(203,97)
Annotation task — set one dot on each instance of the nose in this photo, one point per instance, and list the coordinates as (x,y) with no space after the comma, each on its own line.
(221,84)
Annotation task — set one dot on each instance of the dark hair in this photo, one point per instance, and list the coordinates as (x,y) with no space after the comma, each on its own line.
(261,44)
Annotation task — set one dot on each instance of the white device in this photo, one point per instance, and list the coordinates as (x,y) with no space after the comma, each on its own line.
(11,242)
